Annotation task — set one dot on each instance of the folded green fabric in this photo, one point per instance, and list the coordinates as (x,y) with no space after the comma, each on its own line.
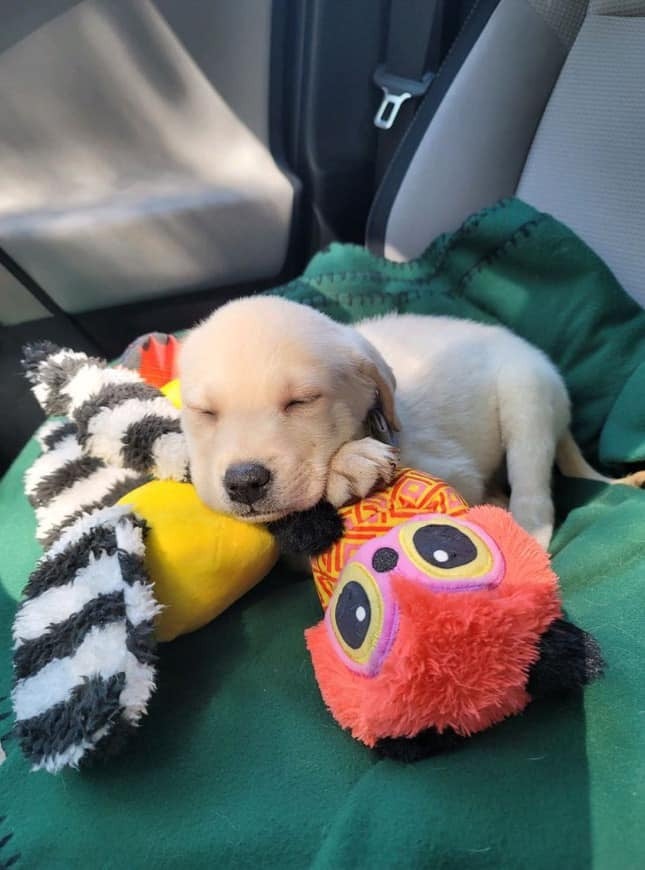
(622,439)
(238,764)
(513,265)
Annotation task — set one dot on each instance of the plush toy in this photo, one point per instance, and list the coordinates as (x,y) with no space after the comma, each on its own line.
(154,356)
(440,620)
(132,557)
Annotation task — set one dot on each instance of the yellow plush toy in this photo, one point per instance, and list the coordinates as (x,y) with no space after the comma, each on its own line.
(199,561)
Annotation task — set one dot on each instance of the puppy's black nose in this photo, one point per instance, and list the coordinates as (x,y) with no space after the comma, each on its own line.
(246,481)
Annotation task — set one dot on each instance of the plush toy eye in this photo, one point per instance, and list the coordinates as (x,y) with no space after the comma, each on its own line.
(453,554)
(353,614)
(360,619)
(444,546)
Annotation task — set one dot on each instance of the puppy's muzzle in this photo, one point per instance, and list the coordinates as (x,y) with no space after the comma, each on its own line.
(247,482)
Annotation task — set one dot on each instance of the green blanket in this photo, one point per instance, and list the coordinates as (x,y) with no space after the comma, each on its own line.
(239,765)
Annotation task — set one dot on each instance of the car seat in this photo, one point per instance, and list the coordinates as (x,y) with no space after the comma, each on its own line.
(548,106)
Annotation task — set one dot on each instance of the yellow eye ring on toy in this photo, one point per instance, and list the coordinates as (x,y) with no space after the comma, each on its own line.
(452,553)
(361,619)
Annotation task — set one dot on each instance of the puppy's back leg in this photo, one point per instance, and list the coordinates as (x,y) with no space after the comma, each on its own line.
(533,411)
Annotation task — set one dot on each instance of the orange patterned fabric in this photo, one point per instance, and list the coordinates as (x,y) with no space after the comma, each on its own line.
(412,493)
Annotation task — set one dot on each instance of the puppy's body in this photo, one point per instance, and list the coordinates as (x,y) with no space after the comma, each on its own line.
(278,394)
(470,396)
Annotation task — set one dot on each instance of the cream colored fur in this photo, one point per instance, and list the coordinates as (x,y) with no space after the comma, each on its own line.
(471,400)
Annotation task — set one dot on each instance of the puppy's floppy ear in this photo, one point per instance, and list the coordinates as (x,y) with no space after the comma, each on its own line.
(369,364)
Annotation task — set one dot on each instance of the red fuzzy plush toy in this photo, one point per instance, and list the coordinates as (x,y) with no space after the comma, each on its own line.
(440,620)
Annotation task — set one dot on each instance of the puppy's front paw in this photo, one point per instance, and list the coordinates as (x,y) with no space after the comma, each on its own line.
(358,468)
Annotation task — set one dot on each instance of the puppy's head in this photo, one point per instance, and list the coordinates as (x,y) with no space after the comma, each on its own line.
(270,390)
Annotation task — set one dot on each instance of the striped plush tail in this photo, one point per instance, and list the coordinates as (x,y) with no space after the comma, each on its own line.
(66,483)
(83,642)
(119,418)
(84,633)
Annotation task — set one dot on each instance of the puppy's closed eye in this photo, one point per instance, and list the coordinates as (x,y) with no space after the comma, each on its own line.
(301,402)
(203,412)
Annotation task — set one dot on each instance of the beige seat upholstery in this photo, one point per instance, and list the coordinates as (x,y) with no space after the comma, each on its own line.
(549,106)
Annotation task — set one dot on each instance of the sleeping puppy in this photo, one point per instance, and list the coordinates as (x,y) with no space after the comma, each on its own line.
(276,396)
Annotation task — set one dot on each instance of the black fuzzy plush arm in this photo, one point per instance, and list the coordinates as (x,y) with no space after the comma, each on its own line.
(310,532)
(569,659)
(424,745)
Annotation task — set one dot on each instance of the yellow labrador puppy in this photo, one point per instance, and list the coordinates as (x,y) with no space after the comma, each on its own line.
(276,397)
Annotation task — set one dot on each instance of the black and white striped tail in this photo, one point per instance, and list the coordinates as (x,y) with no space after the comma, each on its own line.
(83,642)
(84,633)
(65,483)
(119,418)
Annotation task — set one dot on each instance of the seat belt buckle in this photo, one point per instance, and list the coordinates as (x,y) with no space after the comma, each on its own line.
(396,90)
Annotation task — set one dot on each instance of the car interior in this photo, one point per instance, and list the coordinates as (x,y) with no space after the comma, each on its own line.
(160,158)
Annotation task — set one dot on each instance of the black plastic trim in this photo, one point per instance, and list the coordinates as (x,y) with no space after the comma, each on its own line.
(284,65)
(386,194)
(29,283)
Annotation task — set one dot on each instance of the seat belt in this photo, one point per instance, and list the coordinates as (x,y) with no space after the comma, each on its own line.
(412,58)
